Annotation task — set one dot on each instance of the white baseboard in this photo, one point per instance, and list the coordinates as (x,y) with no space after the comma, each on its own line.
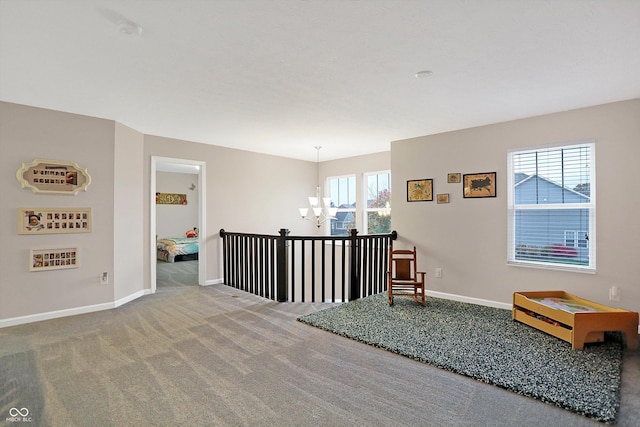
(478,301)
(5,323)
(131,297)
(460,298)
(470,300)
(55,314)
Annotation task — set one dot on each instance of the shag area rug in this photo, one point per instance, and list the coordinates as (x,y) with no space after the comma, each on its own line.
(484,343)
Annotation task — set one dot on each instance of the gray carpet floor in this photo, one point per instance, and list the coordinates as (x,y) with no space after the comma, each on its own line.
(215,356)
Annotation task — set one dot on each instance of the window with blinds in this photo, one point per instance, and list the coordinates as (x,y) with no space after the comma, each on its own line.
(552,208)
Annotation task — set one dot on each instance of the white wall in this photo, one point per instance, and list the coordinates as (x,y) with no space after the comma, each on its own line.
(127,214)
(175,220)
(259,193)
(28,133)
(467,238)
(246,192)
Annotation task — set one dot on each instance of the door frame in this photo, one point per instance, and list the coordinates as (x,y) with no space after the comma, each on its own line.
(181,166)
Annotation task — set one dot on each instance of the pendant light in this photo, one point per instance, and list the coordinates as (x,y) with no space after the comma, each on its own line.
(321,210)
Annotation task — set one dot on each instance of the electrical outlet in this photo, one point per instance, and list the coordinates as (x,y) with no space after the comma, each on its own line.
(104,278)
(614,293)
(439,273)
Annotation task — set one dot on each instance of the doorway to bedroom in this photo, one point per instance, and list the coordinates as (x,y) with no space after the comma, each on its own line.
(177,210)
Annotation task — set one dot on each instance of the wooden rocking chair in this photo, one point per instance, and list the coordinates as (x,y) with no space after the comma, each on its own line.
(403,277)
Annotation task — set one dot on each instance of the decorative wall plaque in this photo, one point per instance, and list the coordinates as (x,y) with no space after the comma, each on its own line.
(171,199)
(53,176)
(54,220)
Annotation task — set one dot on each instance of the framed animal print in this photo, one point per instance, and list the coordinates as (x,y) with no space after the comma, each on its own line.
(478,185)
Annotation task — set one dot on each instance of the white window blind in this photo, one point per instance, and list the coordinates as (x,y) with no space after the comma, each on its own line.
(551,206)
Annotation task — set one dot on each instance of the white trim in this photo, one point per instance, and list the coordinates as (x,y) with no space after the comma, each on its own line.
(152,226)
(553,266)
(214,282)
(512,208)
(202,230)
(470,300)
(328,193)
(129,298)
(15,321)
(365,198)
(156,161)
(460,298)
(38,317)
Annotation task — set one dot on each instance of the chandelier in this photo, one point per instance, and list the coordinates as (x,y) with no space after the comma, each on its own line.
(321,210)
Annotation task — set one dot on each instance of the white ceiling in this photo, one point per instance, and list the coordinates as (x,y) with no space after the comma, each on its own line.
(283,76)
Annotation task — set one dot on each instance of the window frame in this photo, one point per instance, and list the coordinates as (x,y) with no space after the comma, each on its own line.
(513,209)
(365,196)
(328,193)
(361,189)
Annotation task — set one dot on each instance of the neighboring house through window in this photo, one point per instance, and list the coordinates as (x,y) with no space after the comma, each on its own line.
(375,211)
(377,215)
(551,204)
(576,239)
(342,191)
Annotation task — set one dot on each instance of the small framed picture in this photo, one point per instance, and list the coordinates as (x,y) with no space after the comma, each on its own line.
(420,190)
(478,185)
(442,198)
(453,178)
(54,258)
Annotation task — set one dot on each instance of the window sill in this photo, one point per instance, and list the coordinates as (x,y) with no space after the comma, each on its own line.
(549,266)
